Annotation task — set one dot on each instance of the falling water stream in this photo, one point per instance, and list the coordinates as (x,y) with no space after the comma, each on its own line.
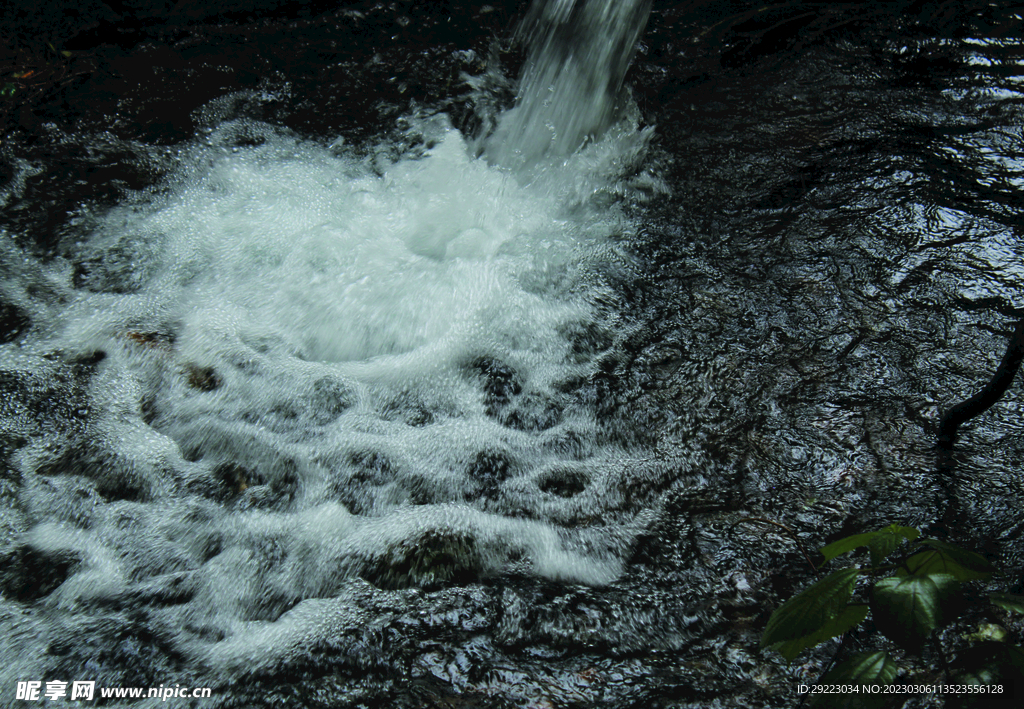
(480,406)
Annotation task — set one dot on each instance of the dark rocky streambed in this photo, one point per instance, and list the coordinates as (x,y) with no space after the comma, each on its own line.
(816,249)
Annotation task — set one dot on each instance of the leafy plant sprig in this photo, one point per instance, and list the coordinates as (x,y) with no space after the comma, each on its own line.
(912,594)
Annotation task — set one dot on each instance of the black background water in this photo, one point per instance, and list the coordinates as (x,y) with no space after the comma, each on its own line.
(838,261)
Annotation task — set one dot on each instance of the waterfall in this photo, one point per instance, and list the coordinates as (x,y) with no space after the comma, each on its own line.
(569,92)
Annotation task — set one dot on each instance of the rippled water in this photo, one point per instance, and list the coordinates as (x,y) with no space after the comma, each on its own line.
(524,486)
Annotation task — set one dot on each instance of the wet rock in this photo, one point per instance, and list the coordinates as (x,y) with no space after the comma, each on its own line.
(330,400)
(371,467)
(13,321)
(564,482)
(53,391)
(85,362)
(116,649)
(259,497)
(423,489)
(430,560)
(489,469)
(155,340)
(112,479)
(587,339)
(499,382)
(202,378)
(613,624)
(28,574)
(413,413)
(234,478)
(114,273)
(171,589)
(533,412)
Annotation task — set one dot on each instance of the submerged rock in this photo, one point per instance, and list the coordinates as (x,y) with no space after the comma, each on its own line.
(432,560)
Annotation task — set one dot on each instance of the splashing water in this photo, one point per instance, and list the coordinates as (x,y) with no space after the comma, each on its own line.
(310,365)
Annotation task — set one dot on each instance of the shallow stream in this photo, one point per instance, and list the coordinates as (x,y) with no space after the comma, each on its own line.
(341,367)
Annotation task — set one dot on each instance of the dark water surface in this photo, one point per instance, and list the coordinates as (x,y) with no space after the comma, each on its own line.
(836,260)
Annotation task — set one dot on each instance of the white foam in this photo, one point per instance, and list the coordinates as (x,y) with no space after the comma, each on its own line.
(320,366)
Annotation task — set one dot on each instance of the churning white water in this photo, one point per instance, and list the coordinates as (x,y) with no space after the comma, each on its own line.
(320,364)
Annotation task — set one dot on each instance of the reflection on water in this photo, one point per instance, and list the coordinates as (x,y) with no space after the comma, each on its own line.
(838,259)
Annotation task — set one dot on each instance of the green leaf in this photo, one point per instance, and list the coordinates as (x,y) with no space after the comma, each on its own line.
(847,544)
(934,561)
(886,540)
(1008,601)
(967,559)
(950,559)
(908,608)
(849,617)
(880,543)
(865,668)
(811,609)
